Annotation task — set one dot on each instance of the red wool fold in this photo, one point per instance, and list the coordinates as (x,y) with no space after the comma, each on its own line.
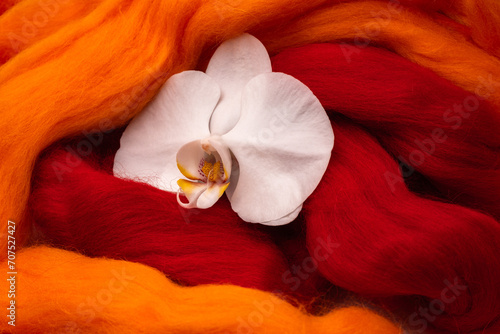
(430,125)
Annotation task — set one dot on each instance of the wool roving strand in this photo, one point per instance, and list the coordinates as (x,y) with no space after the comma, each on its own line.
(111,296)
(394,243)
(29,22)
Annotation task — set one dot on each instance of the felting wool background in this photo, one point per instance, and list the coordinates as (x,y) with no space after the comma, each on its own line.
(402,234)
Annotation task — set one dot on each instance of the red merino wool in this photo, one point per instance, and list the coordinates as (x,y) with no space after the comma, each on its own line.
(433,127)
(394,243)
(88,209)
(7,4)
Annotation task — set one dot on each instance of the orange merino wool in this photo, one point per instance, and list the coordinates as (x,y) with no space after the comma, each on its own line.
(38,20)
(144,301)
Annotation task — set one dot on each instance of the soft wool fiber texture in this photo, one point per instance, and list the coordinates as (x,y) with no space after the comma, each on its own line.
(93,66)
(109,296)
(393,243)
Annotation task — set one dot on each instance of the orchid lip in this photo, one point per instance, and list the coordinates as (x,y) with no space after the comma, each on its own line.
(207,165)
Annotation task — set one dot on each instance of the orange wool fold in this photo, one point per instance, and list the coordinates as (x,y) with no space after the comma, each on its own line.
(110,296)
(483,17)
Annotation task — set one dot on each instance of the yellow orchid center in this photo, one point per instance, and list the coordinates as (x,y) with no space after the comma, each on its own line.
(211,171)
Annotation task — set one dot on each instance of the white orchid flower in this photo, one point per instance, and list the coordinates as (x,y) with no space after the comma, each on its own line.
(261,137)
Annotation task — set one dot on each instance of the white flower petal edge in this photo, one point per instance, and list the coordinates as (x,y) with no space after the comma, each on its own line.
(179,114)
(282,142)
(285,219)
(232,66)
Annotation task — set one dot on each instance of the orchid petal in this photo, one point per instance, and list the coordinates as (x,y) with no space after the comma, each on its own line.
(188,160)
(180,113)
(211,195)
(282,143)
(192,191)
(285,219)
(200,195)
(232,66)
